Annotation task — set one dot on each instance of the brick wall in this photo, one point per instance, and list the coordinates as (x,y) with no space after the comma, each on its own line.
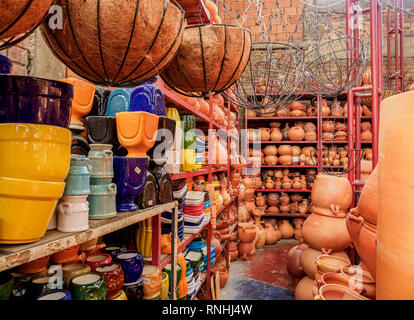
(20,55)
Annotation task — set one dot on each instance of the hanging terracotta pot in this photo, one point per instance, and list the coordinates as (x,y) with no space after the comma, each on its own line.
(195,68)
(296,134)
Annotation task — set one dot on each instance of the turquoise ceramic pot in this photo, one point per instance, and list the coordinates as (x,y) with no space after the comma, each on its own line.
(6,285)
(78,179)
(102,201)
(101,161)
(118,101)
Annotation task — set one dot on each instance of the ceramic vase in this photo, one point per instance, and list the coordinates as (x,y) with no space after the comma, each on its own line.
(114,278)
(132,264)
(118,101)
(134,291)
(149,98)
(73,214)
(163,180)
(98,259)
(101,161)
(102,201)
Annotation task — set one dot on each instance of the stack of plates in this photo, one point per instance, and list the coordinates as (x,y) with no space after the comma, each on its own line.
(166,224)
(181,193)
(212,255)
(191,288)
(193,211)
(207,212)
(194,198)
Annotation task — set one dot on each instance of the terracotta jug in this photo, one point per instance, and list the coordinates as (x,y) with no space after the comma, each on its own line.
(286,229)
(246,232)
(293,264)
(271,236)
(260,200)
(269,183)
(304,288)
(296,133)
(265,134)
(273,199)
(275,134)
(246,250)
(260,237)
(243,214)
(326,111)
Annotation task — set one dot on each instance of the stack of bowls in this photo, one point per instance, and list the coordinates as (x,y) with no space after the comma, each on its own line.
(35,146)
(191,288)
(212,256)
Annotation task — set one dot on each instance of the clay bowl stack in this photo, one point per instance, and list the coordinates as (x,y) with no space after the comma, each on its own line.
(35,146)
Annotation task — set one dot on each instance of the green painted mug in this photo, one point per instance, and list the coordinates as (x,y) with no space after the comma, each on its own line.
(88,286)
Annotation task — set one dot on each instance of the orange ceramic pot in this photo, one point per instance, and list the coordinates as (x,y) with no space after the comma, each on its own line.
(271,235)
(223,275)
(331,195)
(285,160)
(270,150)
(246,250)
(337,292)
(395,223)
(137,131)
(286,229)
(360,281)
(368,199)
(326,233)
(276,135)
(285,150)
(246,232)
(67,256)
(354,225)
(327,263)
(308,260)
(304,288)
(83,96)
(35,266)
(271,160)
(368,247)
(260,240)
(293,265)
(264,134)
(296,133)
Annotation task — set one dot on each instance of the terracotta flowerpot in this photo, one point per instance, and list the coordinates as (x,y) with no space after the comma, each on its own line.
(304,288)
(337,292)
(223,275)
(327,263)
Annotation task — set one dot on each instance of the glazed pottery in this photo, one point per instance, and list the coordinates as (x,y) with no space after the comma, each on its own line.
(114,249)
(286,229)
(73,214)
(102,204)
(134,291)
(149,197)
(102,130)
(132,264)
(152,279)
(163,180)
(337,292)
(59,294)
(101,161)
(33,100)
(136,132)
(79,144)
(21,287)
(98,259)
(73,270)
(22,196)
(303,290)
(246,232)
(83,96)
(246,250)
(34,151)
(6,285)
(331,195)
(88,286)
(42,284)
(118,101)
(164,139)
(78,179)
(165,286)
(308,260)
(294,265)
(223,275)
(120,295)
(149,98)
(100,103)
(129,176)
(114,278)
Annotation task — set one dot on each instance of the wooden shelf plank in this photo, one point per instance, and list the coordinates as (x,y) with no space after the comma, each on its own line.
(54,241)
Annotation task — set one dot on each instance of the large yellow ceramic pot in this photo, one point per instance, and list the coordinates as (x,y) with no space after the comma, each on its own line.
(34,151)
(188,159)
(26,206)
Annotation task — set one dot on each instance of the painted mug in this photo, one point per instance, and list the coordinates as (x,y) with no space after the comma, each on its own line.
(88,286)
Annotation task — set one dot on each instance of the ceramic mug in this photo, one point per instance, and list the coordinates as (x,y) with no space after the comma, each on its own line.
(73,214)
(114,278)
(78,179)
(55,295)
(40,285)
(132,264)
(97,260)
(88,286)
(134,291)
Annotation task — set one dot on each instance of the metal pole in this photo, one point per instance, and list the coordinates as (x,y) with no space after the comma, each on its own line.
(374,89)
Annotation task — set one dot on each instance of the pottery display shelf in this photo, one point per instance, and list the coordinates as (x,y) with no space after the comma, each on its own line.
(223,208)
(54,241)
(344,118)
(202,172)
(261,119)
(282,166)
(286,215)
(283,190)
(285,142)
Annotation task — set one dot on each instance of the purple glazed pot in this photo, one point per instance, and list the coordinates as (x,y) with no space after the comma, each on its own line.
(34,100)
(132,264)
(129,175)
(148,98)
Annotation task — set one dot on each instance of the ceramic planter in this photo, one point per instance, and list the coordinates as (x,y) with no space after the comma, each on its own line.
(114,278)
(101,161)
(73,214)
(149,197)
(118,101)
(132,264)
(66,256)
(129,176)
(164,139)
(152,279)
(136,132)
(134,291)
(120,295)
(22,196)
(337,292)
(55,295)
(78,179)
(102,201)
(53,220)
(79,144)
(114,249)
(89,286)
(83,95)
(164,183)
(149,98)
(102,130)
(33,100)
(43,284)
(6,285)
(34,151)
(100,102)
(97,260)
(72,270)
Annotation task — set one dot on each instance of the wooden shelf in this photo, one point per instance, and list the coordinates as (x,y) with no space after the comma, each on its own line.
(283,190)
(54,241)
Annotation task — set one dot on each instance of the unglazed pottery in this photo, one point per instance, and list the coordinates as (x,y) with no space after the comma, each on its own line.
(286,229)
(246,232)
(294,265)
(132,264)
(367,204)
(34,151)
(304,288)
(136,132)
(246,250)
(129,176)
(223,275)
(337,292)
(33,100)
(271,235)
(328,263)
(114,278)
(296,133)
(359,280)
(97,260)
(88,286)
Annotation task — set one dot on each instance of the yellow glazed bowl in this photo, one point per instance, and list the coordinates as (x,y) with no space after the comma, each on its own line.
(188,159)
(122,296)
(34,151)
(26,207)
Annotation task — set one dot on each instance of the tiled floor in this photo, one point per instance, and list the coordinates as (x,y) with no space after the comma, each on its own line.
(263,278)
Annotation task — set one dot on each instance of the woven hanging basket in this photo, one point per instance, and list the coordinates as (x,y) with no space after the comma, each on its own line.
(18,17)
(210,59)
(118,43)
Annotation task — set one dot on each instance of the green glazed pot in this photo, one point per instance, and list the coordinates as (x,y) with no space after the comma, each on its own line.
(101,160)
(6,285)
(167,270)
(88,286)
(41,285)
(21,286)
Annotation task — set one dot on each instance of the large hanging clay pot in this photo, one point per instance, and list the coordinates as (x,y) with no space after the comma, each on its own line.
(286,229)
(331,195)
(210,58)
(304,288)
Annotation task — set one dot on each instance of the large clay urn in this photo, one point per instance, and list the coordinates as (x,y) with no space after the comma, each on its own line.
(286,229)
(326,233)
(368,199)
(246,250)
(271,236)
(293,265)
(260,240)
(296,133)
(309,257)
(304,288)
(331,195)
(246,232)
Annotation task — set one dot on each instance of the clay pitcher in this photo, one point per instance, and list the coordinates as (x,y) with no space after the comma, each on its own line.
(270,184)
(275,134)
(286,229)
(260,200)
(260,237)
(271,236)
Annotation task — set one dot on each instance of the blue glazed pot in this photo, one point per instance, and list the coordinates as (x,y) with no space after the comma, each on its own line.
(129,176)
(55,295)
(132,264)
(148,98)
(78,179)
(102,201)
(5,65)
(118,101)
(34,100)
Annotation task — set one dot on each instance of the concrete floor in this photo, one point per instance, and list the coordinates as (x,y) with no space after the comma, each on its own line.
(263,278)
